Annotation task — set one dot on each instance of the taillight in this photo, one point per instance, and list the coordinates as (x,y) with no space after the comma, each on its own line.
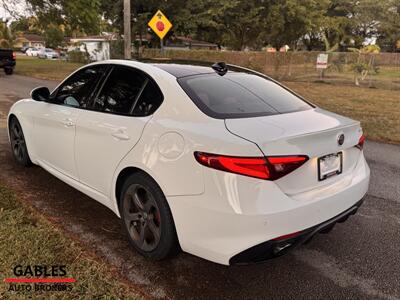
(361,142)
(14,55)
(269,168)
(283,165)
(249,166)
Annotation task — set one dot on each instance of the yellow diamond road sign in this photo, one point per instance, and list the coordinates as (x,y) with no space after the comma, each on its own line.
(160,24)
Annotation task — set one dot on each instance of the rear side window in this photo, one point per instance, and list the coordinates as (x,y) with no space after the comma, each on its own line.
(150,99)
(119,93)
(240,95)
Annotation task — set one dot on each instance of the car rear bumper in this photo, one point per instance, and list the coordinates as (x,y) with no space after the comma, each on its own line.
(237,213)
(277,247)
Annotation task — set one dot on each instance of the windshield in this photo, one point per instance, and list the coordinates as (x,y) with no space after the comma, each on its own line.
(240,95)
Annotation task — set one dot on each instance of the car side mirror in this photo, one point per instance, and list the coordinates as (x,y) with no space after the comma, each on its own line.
(40,94)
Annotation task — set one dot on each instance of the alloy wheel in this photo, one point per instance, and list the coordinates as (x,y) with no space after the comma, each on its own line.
(142,217)
(17,141)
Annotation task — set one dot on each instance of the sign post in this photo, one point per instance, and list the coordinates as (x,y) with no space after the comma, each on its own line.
(160,24)
(322,64)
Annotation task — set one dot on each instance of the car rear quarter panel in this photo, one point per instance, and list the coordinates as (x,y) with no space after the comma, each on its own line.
(178,129)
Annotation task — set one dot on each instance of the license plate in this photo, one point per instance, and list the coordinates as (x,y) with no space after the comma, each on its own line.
(330,165)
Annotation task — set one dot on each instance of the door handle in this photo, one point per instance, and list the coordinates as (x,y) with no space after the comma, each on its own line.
(68,122)
(120,135)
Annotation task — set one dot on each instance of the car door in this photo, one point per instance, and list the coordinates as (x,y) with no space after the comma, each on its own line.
(55,120)
(107,133)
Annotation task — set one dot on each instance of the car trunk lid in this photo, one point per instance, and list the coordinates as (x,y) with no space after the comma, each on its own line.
(313,132)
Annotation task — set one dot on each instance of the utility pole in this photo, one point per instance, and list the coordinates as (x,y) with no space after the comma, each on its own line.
(127,29)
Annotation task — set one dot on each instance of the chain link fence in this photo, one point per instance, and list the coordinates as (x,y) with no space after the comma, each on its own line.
(381,70)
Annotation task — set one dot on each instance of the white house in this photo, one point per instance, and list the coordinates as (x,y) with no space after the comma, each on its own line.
(98,47)
(29,40)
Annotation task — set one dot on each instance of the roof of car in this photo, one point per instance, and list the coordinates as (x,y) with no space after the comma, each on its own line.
(182,70)
(178,68)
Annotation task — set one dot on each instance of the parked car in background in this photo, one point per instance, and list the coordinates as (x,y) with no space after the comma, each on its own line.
(32,51)
(23,49)
(7,60)
(48,53)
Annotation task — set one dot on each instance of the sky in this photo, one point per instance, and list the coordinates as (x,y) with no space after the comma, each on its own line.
(2,13)
(20,8)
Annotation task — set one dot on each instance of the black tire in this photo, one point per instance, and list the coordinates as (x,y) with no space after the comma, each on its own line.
(147,219)
(18,144)
(8,71)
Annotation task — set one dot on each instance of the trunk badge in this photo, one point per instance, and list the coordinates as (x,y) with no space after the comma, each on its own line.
(340,139)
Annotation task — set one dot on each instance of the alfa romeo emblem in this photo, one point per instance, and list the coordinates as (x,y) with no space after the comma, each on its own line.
(340,139)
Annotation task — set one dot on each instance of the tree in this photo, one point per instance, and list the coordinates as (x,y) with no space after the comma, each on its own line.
(26,24)
(361,68)
(79,17)
(141,12)
(367,15)
(320,24)
(202,19)
(336,25)
(54,37)
(329,24)
(389,30)
(7,39)
(243,30)
(287,21)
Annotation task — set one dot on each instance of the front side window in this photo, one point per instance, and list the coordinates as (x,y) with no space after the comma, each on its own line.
(128,92)
(76,91)
(240,95)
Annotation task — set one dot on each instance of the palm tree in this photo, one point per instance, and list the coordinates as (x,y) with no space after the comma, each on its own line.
(7,39)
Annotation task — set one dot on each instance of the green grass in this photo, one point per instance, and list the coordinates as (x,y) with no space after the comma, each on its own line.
(29,239)
(393,73)
(44,68)
(377,109)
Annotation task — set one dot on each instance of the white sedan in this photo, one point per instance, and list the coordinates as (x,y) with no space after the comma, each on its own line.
(219,161)
(48,53)
(32,52)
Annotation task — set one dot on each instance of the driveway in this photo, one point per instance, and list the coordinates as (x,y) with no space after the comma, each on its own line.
(359,259)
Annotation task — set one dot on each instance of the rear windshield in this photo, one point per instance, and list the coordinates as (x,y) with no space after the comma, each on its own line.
(240,95)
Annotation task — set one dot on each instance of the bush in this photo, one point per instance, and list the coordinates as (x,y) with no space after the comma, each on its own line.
(78,56)
(117,49)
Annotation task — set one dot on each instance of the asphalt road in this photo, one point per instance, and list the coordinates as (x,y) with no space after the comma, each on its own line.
(359,259)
